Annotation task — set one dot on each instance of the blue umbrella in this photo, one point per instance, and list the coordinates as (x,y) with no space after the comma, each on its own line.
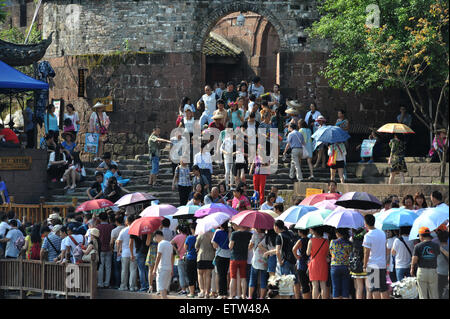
(294,213)
(330,134)
(399,218)
(380,217)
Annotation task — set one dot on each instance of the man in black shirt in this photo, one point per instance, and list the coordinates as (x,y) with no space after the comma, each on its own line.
(95,191)
(141,255)
(425,257)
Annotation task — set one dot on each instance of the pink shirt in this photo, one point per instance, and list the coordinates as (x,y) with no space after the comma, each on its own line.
(236,201)
(179,241)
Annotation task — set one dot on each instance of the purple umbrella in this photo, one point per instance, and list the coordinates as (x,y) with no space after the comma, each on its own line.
(134,198)
(209,209)
(158,211)
(344,218)
(359,200)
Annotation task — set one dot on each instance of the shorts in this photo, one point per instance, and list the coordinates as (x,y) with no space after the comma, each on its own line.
(376,279)
(163,278)
(238,265)
(239,166)
(272,263)
(155,165)
(205,264)
(339,164)
(303,279)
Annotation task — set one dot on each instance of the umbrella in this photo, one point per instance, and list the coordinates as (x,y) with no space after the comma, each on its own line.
(270,212)
(359,200)
(399,218)
(134,198)
(316,198)
(326,204)
(144,225)
(94,204)
(158,210)
(313,219)
(253,219)
(431,218)
(210,222)
(344,218)
(330,134)
(380,217)
(186,212)
(209,209)
(397,128)
(293,214)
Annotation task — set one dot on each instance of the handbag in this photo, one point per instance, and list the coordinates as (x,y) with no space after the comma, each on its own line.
(307,270)
(332,158)
(103,130)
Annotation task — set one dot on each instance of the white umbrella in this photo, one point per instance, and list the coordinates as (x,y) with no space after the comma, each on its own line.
(431,218)
(345,218)
(210,222)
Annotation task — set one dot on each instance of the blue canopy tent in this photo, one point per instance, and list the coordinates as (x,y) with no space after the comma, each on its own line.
(13,81)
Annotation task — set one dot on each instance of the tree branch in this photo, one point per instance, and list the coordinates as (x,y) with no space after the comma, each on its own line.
(439,104)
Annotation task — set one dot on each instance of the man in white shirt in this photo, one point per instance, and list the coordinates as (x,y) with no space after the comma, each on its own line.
(10,239)
(375,253)
(256,87)
(402,249)
(209,98)
(312,116)
(204,162)
(163,268)
(129,262)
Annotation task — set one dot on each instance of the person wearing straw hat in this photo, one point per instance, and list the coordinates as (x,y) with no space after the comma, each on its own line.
(437,147)
(217,118)
(99,123)
(92,247)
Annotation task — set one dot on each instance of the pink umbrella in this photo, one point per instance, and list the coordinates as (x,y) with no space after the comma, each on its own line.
(326,204)
(158,211)
(253,219)
(209,209)
(94,204)
(316,198)
(134,198)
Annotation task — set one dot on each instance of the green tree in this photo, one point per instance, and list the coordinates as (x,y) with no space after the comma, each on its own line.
(3,12)
(409,49)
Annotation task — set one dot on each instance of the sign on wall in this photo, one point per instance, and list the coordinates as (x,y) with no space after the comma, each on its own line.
(10,163)
(108,101)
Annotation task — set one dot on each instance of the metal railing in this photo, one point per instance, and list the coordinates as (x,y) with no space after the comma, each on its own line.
(48,278)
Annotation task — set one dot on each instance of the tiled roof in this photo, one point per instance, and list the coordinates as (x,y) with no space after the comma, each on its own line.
(216,45)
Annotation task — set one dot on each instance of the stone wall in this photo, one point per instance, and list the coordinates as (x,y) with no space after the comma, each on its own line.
(418,173)
(146,90)
(27,186)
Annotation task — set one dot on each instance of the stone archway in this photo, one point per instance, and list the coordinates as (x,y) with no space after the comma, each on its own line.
(205,26)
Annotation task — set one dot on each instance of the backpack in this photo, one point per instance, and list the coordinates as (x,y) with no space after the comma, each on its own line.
(78,250)
(19,243)
(287,242)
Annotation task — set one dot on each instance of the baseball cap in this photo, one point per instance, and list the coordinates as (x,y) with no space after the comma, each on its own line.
(424,231)
(442,227)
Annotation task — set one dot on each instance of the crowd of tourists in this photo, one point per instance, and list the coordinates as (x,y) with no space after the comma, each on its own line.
(231,261)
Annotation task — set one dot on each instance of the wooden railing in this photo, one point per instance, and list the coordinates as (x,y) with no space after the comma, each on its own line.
(34,213)
(48,278)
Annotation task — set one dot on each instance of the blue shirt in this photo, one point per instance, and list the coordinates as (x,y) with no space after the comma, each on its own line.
(56,241)
(4,190)
(221,239)
(68,147)
(191,253)
(295,139)
(51,124)
(13,235)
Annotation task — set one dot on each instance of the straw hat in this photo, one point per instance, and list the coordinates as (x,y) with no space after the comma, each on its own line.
(292,111)
(98,105)
(95,232)
(295,104)
(321,118)
(217,117)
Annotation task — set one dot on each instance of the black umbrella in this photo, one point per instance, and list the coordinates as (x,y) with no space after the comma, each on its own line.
(359,200)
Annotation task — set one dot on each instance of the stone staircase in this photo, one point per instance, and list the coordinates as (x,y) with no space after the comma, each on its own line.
(138,171)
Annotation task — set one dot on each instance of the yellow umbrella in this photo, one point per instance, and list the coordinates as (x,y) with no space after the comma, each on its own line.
(270,212)
(396,128)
